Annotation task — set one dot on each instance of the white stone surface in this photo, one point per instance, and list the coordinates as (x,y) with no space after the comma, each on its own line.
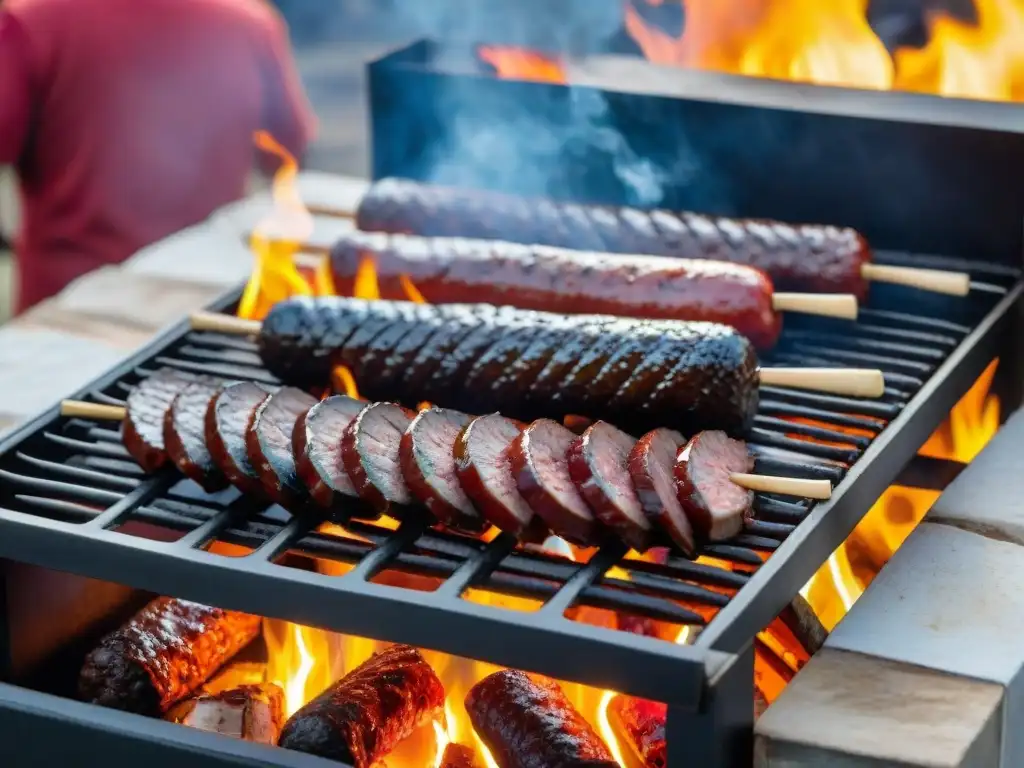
(846,710)
(952,601)
(40,367)
(987,497)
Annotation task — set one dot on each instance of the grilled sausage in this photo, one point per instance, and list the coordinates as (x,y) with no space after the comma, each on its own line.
(316,444)
(651,465)
(530,723)
(641,724)
(268,442)
(227,423)
(483,468)
(711,382)
(714,504)
(250,712)
(797,257)
(369,451)
(458,756)
(185,434)
(452,271)
(539,457)
(598,466)
(163,654)
(427,451)
(143,427)
(361,718)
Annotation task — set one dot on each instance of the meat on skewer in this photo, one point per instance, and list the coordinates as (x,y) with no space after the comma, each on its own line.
(361,718)
(651,465)
(370,452)
(797,257)
(528,722)
(268,442)
(453,270)
(715,505)
(145,411)
(249,712)
(649,373)
(185,434)
(163,654)
(229,417)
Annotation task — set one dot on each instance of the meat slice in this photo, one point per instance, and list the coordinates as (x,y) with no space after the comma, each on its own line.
(228,419)
(641,725)
(598,465)
(529,722)
(427,451)
(359,720)
(652,466)
(143,427)
(458,756)
(163,654)
(715,505)
(370,453)
(485,473)
(316,444)
(185,434)
(250,712)
(539,457)
(269,444)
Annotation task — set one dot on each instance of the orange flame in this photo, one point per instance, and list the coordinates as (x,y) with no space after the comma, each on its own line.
(831,43)
(512,63)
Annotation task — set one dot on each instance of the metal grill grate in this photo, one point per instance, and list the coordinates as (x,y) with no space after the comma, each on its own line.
(71,499)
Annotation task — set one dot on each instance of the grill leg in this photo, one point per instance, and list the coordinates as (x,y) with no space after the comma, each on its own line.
(721,735)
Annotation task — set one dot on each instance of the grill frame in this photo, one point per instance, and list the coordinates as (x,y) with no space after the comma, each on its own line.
(708,686)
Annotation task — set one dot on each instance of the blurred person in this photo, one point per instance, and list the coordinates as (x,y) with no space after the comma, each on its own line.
(128,120)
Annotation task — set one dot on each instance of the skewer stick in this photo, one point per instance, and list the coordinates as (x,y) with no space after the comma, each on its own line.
(97,411)
(220,323)
(842,305)
(934,280)
(787,486)
(850,382)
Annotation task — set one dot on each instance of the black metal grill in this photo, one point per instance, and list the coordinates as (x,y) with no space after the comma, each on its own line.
(71,499)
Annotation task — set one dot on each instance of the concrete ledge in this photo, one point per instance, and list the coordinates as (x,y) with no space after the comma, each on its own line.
(848,710)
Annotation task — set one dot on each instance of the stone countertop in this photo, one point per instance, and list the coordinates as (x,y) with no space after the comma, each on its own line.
(68,340)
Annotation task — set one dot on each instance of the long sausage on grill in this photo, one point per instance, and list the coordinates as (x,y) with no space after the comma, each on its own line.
(163,654)
(363,716)
(640,373)
(641,725)
(528,722)
(797,257)
(453,271)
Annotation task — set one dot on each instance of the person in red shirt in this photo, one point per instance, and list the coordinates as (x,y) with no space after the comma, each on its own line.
(128,120)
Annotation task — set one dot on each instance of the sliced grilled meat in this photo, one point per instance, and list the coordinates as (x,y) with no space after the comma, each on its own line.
(427,451)
(715,505)
(361,718)
(712,384)
(250,712)
(143,427)
(529,722)
(598,465)
(163,654)
(228,418)
(641,725)
(485,473)
(652,466)
(185,434)
(370,453)
(270,448)
(316,444)
(540,464)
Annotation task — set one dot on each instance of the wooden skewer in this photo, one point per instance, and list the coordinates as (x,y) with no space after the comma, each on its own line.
(934,280)
(787,486)
(842,305)
(851,382)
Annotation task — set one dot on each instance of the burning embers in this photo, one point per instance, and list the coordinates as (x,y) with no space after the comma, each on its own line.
(393,705)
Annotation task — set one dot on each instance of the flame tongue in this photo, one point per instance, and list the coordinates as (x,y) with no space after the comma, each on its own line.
(512,63)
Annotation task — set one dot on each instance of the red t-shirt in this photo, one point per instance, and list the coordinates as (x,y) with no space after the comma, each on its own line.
(128,120)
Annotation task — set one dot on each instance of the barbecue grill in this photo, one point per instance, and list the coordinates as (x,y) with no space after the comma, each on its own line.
(71,500)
